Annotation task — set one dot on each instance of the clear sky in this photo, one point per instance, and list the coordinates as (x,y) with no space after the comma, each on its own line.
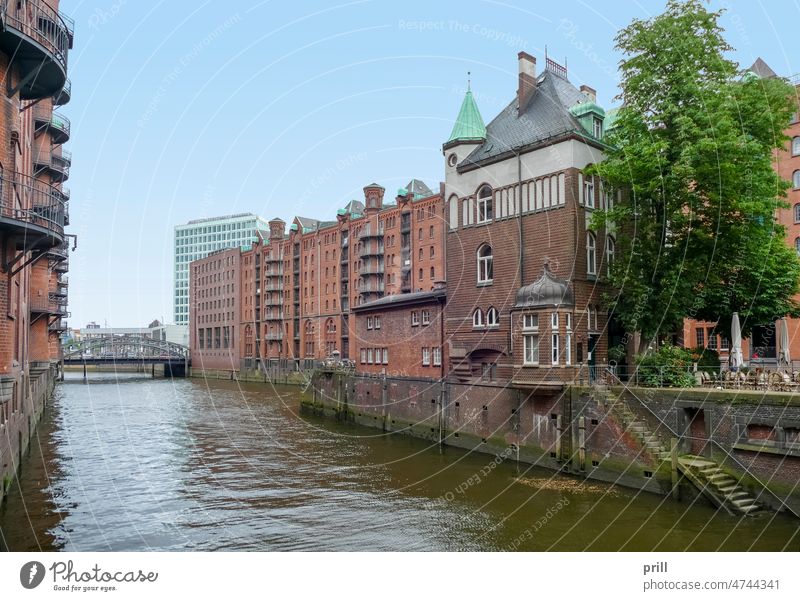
(182,110)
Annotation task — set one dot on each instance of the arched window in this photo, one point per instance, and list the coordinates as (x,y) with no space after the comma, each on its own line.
(797,245)
(485,268)
(484,204)
(420,274)
(795,146)
(477,318)
(796,179)
(591,254)
(797,213)
(610,247)
(492,317)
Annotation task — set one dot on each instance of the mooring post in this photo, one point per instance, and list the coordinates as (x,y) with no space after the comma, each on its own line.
(673,451)
(84,370)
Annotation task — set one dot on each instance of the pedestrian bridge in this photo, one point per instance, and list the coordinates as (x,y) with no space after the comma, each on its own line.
(129,349)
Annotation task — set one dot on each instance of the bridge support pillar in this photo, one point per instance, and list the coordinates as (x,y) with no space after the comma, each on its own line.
(84,370)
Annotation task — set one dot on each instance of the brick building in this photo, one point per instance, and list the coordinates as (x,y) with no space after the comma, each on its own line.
(35,40)
(214,319)
(524,270)
(297,287)
(764,342)
(402,335)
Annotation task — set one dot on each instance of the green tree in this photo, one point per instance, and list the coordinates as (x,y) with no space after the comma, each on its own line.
(692,151)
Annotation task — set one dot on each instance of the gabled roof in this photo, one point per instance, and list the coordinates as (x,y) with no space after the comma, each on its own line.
(762,69)
(547,115)
(418,189)
(469,125)
(408,298)
(354,207)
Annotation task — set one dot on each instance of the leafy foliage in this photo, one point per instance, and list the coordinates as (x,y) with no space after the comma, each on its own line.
(666,366)
(692,152)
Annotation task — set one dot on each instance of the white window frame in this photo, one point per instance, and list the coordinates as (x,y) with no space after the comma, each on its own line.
(588,192)
(492,317)
(796,146)
(426,316)
(477,318)
(554,339)
(568,339)
(426,356)
(597,127)
(437,355)
(796,179)
(377,323)
(369,322)
(530,339)
(369,356)
(386,356)
(485,265)
(484,204)
(414,318)
(610,250)
(591,253)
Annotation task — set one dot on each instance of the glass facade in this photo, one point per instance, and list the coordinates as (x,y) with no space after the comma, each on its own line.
(199,238)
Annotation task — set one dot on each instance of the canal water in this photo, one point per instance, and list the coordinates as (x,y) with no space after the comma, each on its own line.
(134,464)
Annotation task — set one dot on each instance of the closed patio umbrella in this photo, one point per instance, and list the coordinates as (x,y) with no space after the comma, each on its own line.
(785,357)
(735,359)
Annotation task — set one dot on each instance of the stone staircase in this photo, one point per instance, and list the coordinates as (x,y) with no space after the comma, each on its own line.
(637,427)
(721,488)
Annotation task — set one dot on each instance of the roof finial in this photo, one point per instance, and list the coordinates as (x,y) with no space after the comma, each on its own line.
(469,87)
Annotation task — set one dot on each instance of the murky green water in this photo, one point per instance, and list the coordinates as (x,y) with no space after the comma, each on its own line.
(138,464)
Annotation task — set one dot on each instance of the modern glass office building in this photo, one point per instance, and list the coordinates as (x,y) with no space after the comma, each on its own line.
(198,238)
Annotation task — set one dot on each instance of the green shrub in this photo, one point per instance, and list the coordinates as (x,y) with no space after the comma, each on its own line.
(668,365)
(706,359)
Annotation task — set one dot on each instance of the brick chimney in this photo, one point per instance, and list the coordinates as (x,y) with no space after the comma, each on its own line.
(527,81)
(591,93)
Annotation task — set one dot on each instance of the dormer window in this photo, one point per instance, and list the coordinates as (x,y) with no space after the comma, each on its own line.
(597,127)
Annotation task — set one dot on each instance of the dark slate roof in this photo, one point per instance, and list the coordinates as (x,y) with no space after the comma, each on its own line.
(418,189)
(354,206)
(546,115)
(762,69)
(402,299)
(547,291)
(307,222)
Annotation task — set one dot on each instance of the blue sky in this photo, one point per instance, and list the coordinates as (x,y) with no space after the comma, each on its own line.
(187,110)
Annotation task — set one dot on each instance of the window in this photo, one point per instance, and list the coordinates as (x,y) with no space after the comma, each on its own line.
(363,355)
(591,254)
(568,340)
(797,213)
(426,356)
(588,192)
(796,179)
(369,323)
(530,339)
(426,317)
(437,356)
(797,245)
(724,344)
(432,252)
(610,247)
(795,146)
(554,337)
(377,324)
(597,129)
(369,356)
(484,204)
(492,317)
(700,336)
(385,356)
(485,267)
(712,341)
(477,318)
(431,235)
(414,318)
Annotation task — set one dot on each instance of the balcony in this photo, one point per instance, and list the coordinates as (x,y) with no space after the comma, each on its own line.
(52,122)
(274,316)
(63,96)
(55,164)
(367,287)
(38,39)
(274,336)
(367,234)
(371,250)
(58,325)
(31,209)
(371,268)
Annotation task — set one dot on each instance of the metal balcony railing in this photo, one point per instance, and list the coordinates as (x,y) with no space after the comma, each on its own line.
(56,123)
(371,287)
(64,95)
(37,20)
(26,199)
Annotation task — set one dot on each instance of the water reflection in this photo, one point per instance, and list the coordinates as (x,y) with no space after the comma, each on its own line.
(139,464)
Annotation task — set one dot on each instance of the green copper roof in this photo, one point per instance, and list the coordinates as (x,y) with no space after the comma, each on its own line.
(587,107)
(469,124)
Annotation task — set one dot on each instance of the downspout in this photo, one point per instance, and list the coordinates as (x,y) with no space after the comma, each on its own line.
(519,219)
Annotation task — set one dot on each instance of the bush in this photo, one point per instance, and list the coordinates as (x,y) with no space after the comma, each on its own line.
(667,366)
(706,359)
